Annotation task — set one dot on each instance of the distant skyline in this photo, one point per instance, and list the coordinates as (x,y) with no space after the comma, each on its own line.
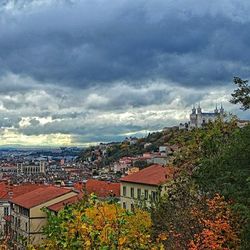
(78,72)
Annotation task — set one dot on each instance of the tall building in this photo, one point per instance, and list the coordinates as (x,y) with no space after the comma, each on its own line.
(198,118)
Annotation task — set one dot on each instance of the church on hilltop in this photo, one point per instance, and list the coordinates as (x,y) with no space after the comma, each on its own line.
(198,118)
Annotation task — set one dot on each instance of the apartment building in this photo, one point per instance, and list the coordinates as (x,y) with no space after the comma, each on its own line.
(144,187)
(8,192)
(28,217)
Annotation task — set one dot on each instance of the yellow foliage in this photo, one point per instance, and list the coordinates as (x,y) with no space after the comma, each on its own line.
(105,226)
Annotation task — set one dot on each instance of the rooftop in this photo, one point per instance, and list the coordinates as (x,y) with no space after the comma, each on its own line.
(60,205)
(39,196)
(103,188)
(8,192)
(153,175)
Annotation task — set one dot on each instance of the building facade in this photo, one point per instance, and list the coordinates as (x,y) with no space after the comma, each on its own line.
(28,216)
(198,118)
(144,187)
(31,169)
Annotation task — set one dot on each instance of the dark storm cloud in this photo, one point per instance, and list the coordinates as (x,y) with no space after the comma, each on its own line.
(98,70)
(101,42)
(78,128)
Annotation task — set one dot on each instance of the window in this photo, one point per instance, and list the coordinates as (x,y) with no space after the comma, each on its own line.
(153,193)
(132,192)
(146,194)
(26,226)
(6,211)
(132,207)
(154,196)
(138,193)
(124,205)
(124,191)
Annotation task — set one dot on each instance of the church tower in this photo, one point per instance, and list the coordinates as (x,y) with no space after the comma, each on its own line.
(199,109)
(216,111)
(221,110)
(193,118)
(199,117)
(193,110)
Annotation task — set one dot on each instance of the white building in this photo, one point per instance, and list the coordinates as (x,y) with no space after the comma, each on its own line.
(198,118)
(31,169)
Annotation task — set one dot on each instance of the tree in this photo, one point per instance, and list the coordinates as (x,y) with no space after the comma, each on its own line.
(242,94)
(192,221)
(97,225)
(173,214)
(220,229)
(228,173)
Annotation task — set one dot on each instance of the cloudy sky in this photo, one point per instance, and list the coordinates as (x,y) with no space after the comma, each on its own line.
(74,72)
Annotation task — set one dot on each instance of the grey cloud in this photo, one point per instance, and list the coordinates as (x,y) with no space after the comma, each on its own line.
(91,43)
(97,70)
(9,121)
(34,122)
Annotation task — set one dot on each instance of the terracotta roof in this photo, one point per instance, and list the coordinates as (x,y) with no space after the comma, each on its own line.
(103,188)
(39,196)
(153,175)
(8,192)
(60,205)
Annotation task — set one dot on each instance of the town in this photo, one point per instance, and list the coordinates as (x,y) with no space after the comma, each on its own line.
(127,171)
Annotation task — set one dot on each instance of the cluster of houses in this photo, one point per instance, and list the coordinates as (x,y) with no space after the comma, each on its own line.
(128,164)
(22,216)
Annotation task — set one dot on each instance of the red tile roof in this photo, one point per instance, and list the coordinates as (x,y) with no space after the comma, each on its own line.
(7,192)
(60,205)
(39,196)
(102,188)
(153,175)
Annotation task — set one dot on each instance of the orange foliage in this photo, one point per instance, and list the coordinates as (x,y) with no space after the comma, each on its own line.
(217,232)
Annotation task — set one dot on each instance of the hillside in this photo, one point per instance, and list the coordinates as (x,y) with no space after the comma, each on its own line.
(213,161)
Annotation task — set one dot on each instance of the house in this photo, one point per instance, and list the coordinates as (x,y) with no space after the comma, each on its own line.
(242,123)
(103,189)
(61,204)
(123,164)
(28,217)
(144,186)
(9,191)
(158,159)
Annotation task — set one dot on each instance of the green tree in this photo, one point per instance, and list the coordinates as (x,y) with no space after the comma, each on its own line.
(228,173)
(242,94)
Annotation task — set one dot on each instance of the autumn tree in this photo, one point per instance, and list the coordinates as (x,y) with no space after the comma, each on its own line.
(219,226)
(193,221)
(98,225)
